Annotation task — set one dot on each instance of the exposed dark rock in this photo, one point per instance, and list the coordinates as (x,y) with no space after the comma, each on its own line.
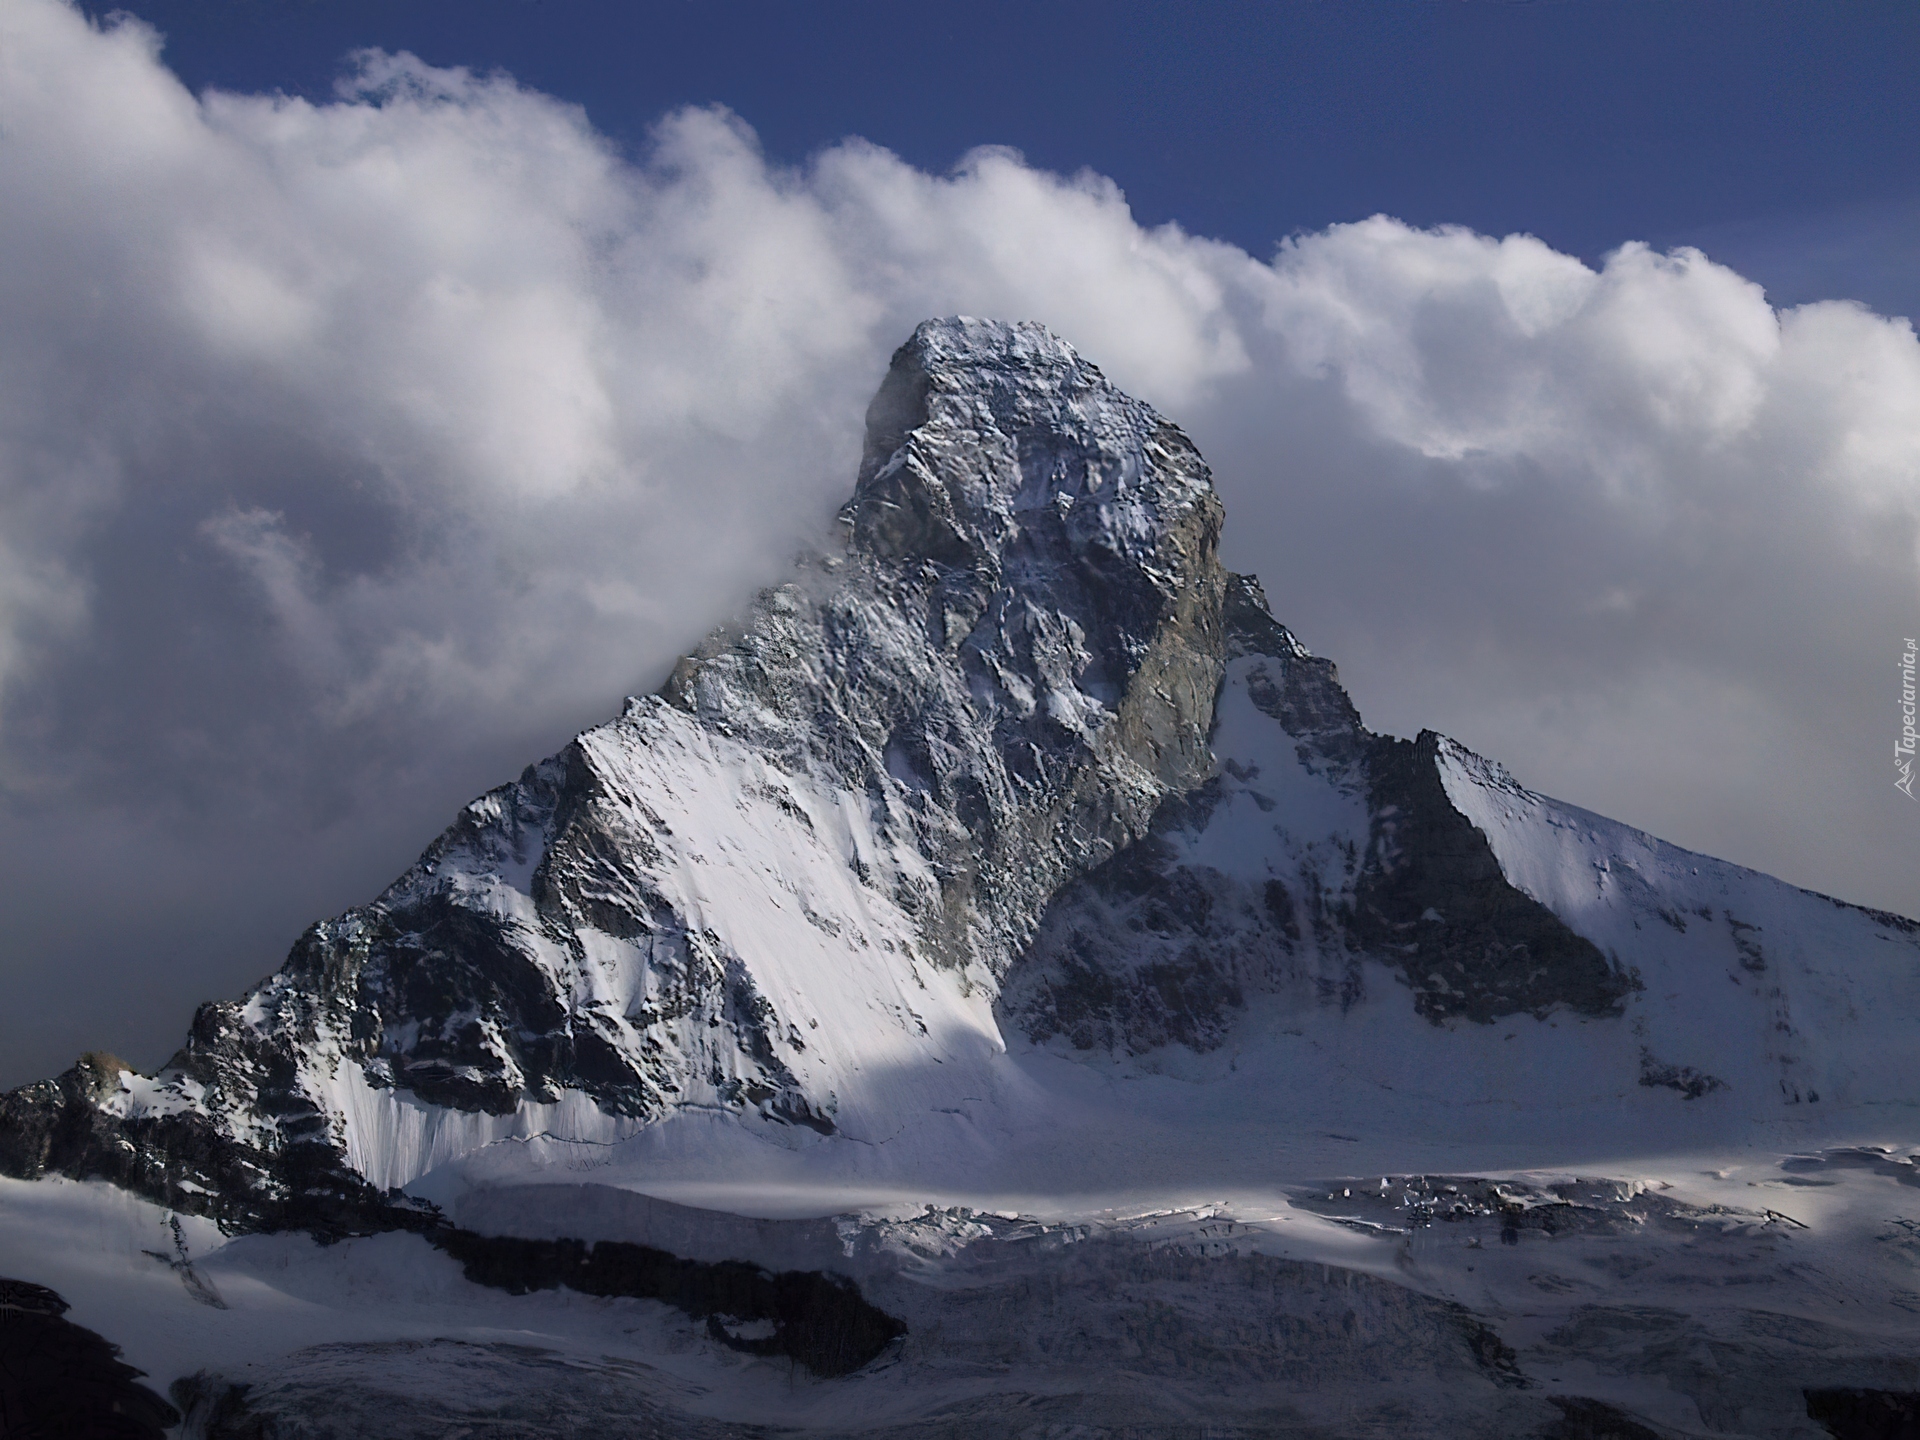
(1691,1083)
(1866,1414)
(1546,1210)
(1129,958)
(1494,950)
(183,1161)
(820,1320)
(1582,1418)
(59,1381)
(1300,691)
(1492,1354)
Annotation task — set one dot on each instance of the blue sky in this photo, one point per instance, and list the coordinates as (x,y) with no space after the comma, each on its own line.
(368,426)
(1780,137)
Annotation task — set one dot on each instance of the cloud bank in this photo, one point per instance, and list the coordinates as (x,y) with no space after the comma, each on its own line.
(353,455)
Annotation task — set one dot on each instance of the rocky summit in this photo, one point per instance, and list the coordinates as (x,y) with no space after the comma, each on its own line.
(1001,976)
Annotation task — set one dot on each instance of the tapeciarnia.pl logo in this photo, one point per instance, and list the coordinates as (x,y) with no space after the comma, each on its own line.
(1903,750)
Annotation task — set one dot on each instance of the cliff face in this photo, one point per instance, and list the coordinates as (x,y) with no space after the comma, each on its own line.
(1015,762)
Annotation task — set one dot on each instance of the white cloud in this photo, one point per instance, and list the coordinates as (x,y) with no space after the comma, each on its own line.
(352,454)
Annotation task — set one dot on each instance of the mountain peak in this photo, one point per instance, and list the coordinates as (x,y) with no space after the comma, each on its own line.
(1017,774)
(981,428)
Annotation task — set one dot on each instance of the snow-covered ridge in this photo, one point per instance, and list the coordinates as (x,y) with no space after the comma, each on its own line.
(1782,997)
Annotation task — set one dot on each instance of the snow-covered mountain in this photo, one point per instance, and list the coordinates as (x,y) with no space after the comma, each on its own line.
(1009,851)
